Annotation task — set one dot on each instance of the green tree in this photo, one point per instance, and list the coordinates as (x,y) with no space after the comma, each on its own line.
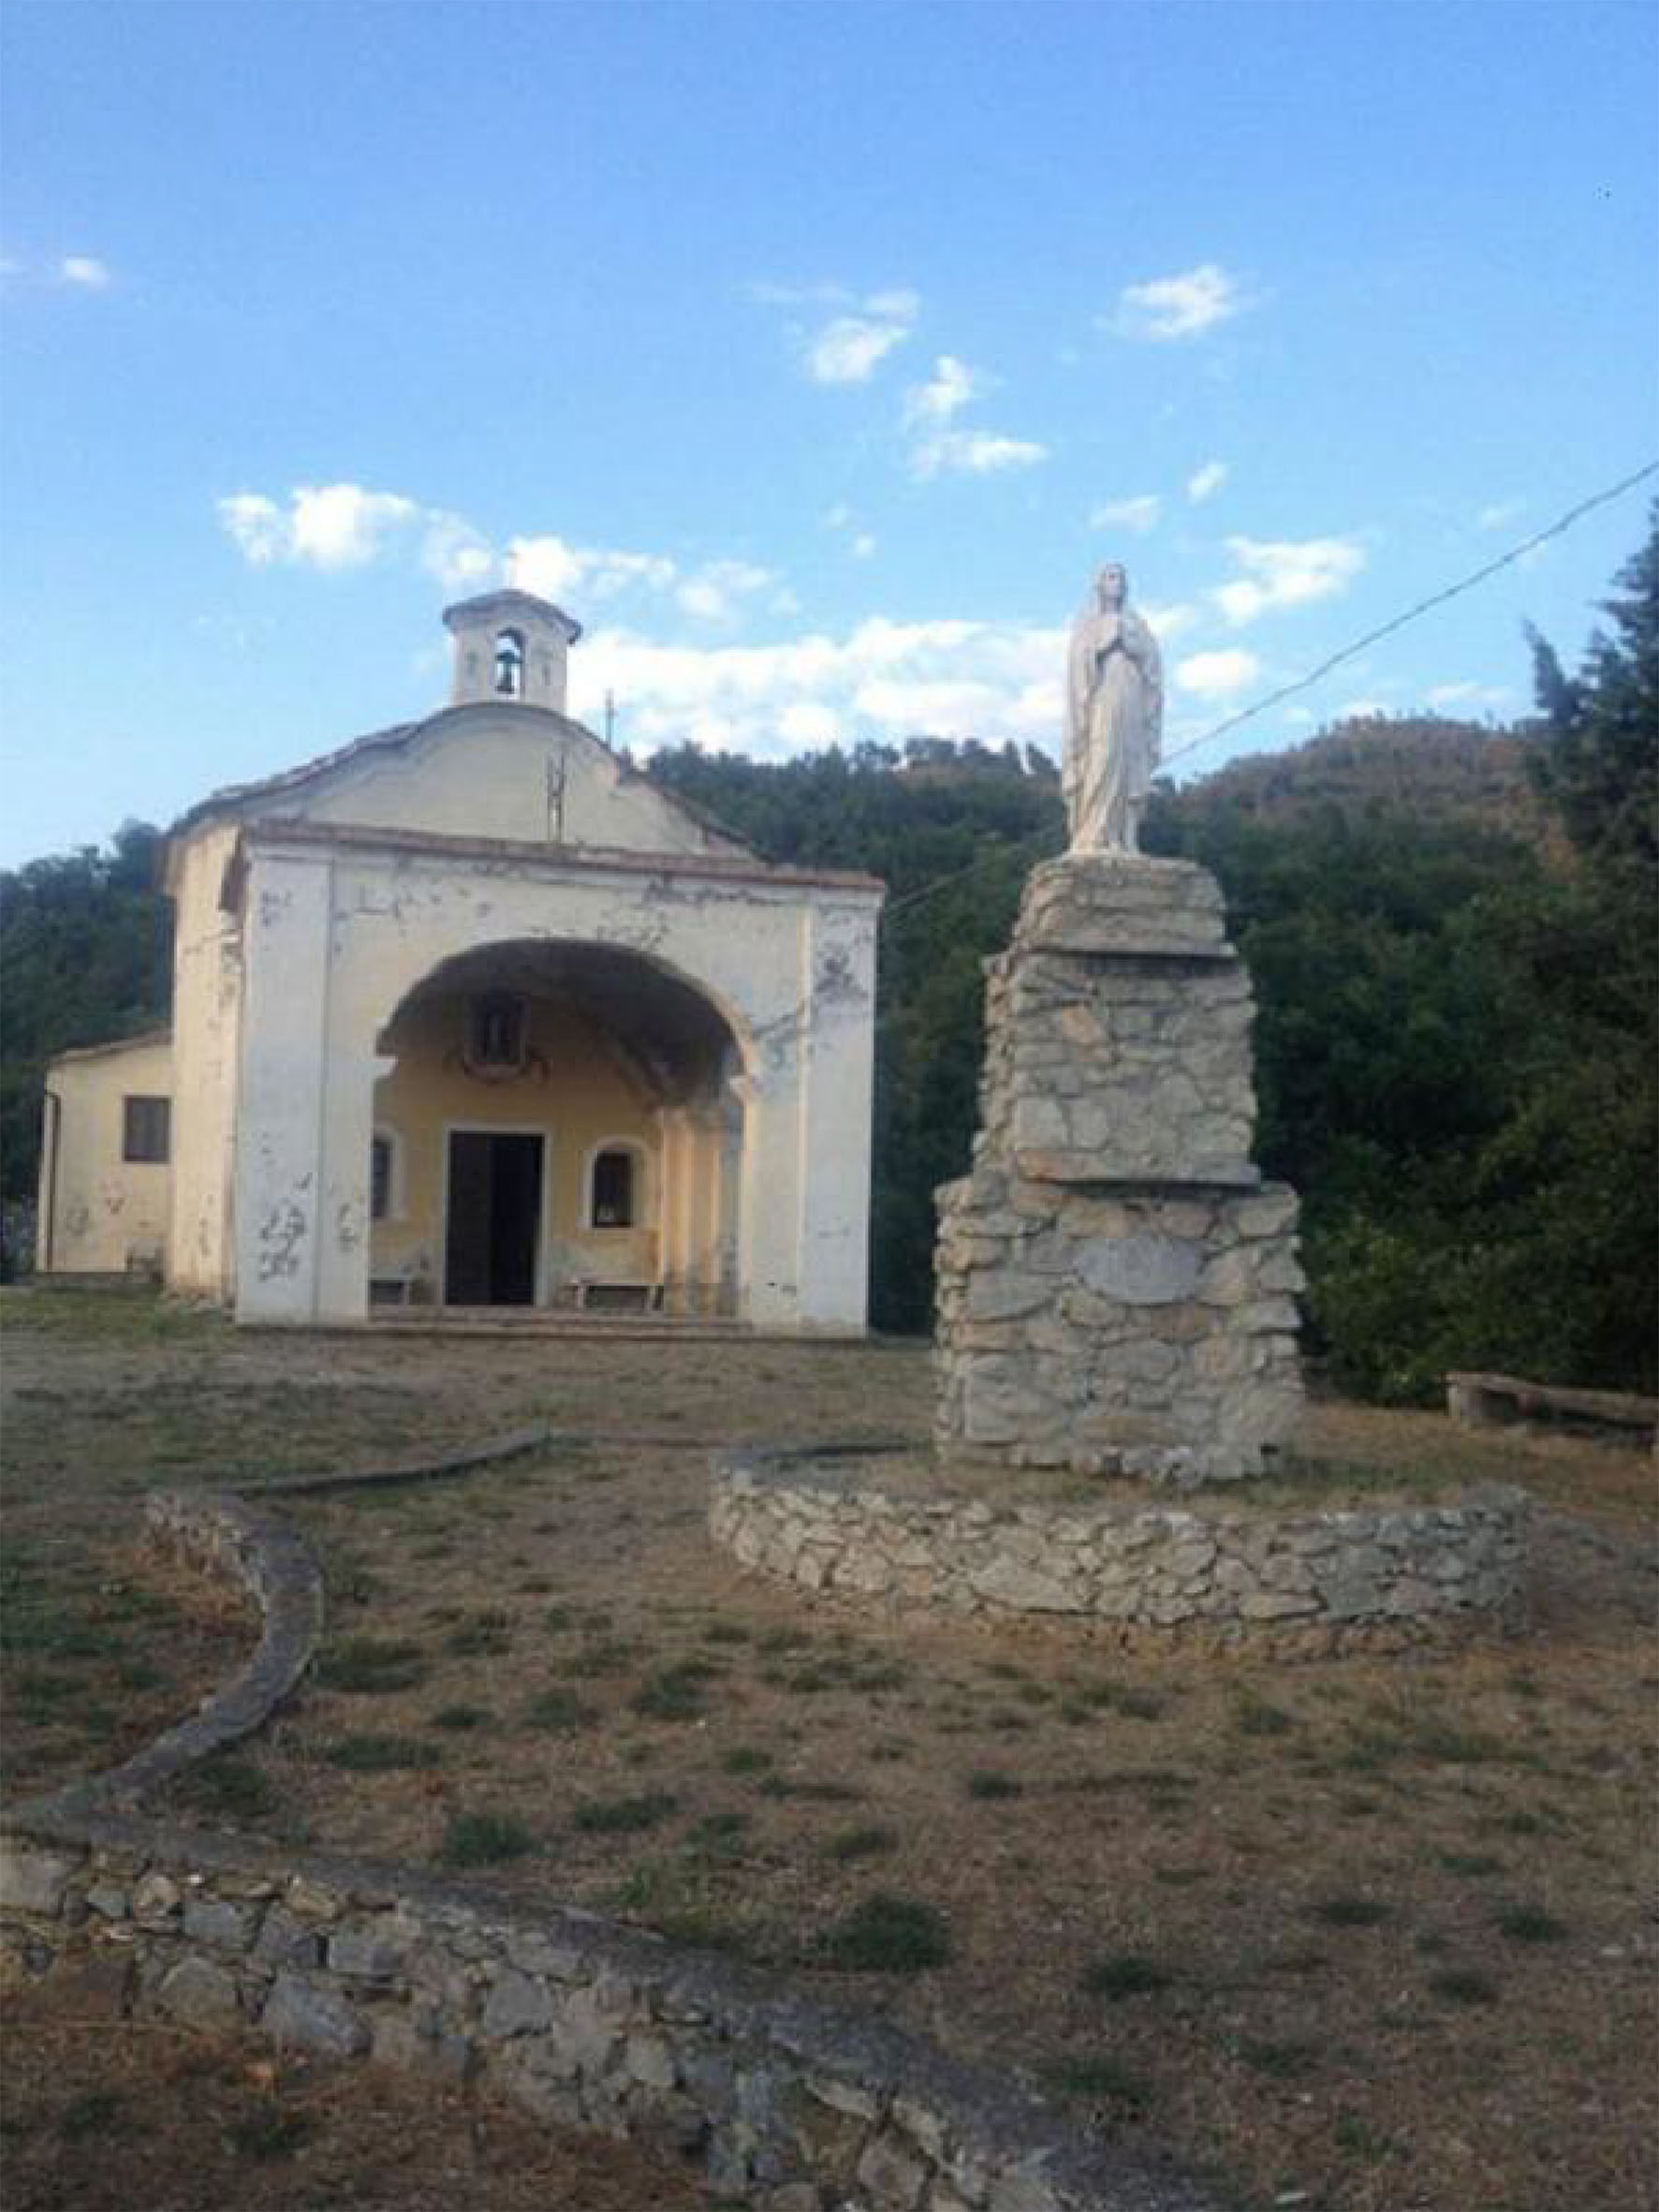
(85,955)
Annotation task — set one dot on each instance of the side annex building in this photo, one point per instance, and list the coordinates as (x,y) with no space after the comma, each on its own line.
(473,1014)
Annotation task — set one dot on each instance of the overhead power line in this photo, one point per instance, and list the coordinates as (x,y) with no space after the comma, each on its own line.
(1439,598)
(1386,630)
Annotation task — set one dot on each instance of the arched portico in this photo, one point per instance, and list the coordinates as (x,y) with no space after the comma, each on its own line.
(510,1072)
(730,1005)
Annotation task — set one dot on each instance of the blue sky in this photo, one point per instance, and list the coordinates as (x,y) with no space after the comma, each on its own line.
(812,354)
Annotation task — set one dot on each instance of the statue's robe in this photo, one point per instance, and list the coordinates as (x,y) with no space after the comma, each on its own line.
(1113,720)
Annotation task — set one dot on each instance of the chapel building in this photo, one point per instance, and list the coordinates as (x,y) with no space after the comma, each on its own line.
(472,1014)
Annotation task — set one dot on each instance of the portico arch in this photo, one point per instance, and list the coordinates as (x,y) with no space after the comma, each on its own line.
(503,1070)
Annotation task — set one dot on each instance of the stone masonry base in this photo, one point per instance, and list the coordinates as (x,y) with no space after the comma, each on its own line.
(1116,1286)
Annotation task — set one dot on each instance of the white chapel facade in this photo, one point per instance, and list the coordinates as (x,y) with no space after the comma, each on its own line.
(472,1014)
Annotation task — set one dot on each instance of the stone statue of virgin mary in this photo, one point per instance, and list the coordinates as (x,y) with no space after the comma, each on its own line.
(1114,716)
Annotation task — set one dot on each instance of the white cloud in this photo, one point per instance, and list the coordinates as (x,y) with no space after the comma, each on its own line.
(843,522)
(884,678)
(256,524)
(1179,306)
(554,569)
(939,449)
(1168,622)
(851,347)
(1140,514)
(1217,676)
(803,724)
(545,565)
(1204,483)
(341,527)
(323,525)
(716,593)
(1468,695)
(972,452)
(461,557)
(952,385)
(1499,513)
(849,350)
(76,272)
(1285,573)
(84,270)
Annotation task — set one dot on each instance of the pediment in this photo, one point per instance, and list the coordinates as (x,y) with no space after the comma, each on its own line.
(488,770)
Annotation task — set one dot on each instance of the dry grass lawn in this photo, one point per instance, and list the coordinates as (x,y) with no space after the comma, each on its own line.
(1369,1930)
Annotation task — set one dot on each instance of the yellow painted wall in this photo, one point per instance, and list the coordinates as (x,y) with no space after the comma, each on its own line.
(107,1214)
(572,1092)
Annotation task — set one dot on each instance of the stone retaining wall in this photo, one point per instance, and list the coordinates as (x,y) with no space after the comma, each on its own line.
(1321,1578)
(790,2104)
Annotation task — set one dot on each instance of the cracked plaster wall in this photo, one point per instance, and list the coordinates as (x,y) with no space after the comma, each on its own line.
(336,940)
(111,1213)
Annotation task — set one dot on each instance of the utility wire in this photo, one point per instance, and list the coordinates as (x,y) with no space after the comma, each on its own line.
(1438,598)
(1386,630)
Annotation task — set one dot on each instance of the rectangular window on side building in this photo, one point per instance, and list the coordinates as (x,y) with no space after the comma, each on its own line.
(146,1129)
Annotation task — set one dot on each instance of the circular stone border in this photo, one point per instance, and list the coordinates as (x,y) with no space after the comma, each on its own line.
(1364,1574)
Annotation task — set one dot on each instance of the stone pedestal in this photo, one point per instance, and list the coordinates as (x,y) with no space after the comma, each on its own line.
(1116,1284)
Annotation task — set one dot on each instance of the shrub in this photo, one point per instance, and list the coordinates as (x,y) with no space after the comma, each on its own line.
(888,1935)
(559,1709)
(1529,1923)
(484,1839)
(1124,1973)
(624,1816)
(984,1783)
(380,1754)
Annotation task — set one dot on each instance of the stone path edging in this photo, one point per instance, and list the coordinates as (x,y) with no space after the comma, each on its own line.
(217,1531)
(798,2105)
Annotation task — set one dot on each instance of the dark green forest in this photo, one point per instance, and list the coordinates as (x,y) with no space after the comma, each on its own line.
(1452,933)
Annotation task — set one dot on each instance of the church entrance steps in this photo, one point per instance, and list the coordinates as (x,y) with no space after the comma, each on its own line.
(608,1327)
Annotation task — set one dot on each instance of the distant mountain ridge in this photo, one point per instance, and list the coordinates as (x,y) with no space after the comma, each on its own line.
(1414,764)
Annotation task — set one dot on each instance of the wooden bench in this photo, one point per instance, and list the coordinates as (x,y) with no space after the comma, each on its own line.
(1485,1401)
(594,1295)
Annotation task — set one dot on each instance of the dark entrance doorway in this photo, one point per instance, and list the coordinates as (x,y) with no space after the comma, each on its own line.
(494,1212)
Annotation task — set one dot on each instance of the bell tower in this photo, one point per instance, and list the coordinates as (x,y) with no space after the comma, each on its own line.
(509,648)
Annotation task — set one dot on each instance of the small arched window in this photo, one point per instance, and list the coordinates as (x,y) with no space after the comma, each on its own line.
(497,1025)
(509,664)
(616,1192)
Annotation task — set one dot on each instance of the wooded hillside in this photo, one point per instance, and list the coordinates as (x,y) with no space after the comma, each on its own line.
(1451,932)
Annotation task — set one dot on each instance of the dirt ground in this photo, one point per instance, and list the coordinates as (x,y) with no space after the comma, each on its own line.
(1364,1935)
